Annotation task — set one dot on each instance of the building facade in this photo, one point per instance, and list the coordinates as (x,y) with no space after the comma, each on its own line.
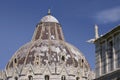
(107,48)
(47,57)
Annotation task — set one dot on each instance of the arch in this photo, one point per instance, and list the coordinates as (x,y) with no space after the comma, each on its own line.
(63,58)
(47,77)
(77,78)
(82,62)
(15,60)
(30,77)
(16,78)
(63,77)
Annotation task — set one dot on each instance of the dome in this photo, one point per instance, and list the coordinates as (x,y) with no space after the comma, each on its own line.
(47,52)
(49,18)
(48,55)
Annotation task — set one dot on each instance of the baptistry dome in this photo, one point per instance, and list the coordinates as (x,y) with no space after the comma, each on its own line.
(48,56)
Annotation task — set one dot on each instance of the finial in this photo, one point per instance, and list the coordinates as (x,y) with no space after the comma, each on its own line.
(49,12)
(96,35)
(96,32)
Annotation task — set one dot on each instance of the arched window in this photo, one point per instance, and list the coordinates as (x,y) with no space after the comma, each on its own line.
(63,77)
(15,60)
(46,77)
(30,77)
(77,78)
(63,58)
(16,78)
(82,62)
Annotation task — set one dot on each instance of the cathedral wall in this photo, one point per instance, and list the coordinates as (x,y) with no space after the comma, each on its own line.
(108,54)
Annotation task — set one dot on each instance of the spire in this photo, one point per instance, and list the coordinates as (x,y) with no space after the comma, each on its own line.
(49,12)
(96,32)
(96,35)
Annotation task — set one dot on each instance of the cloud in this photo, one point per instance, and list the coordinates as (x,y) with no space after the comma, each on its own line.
(108,16)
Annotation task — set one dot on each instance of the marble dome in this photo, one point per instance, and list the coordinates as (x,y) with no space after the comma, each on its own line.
(48,52)
(49,18)
(48,55)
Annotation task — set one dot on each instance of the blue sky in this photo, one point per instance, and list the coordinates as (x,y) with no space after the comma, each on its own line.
(18,19)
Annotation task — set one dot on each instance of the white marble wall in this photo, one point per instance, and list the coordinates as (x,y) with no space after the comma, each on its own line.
(38,73)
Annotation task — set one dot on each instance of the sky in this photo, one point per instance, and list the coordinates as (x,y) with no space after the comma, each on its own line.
(18,19)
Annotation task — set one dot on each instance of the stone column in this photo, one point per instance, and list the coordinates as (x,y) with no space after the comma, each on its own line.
(114,54)
(106,56)
(99,59)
